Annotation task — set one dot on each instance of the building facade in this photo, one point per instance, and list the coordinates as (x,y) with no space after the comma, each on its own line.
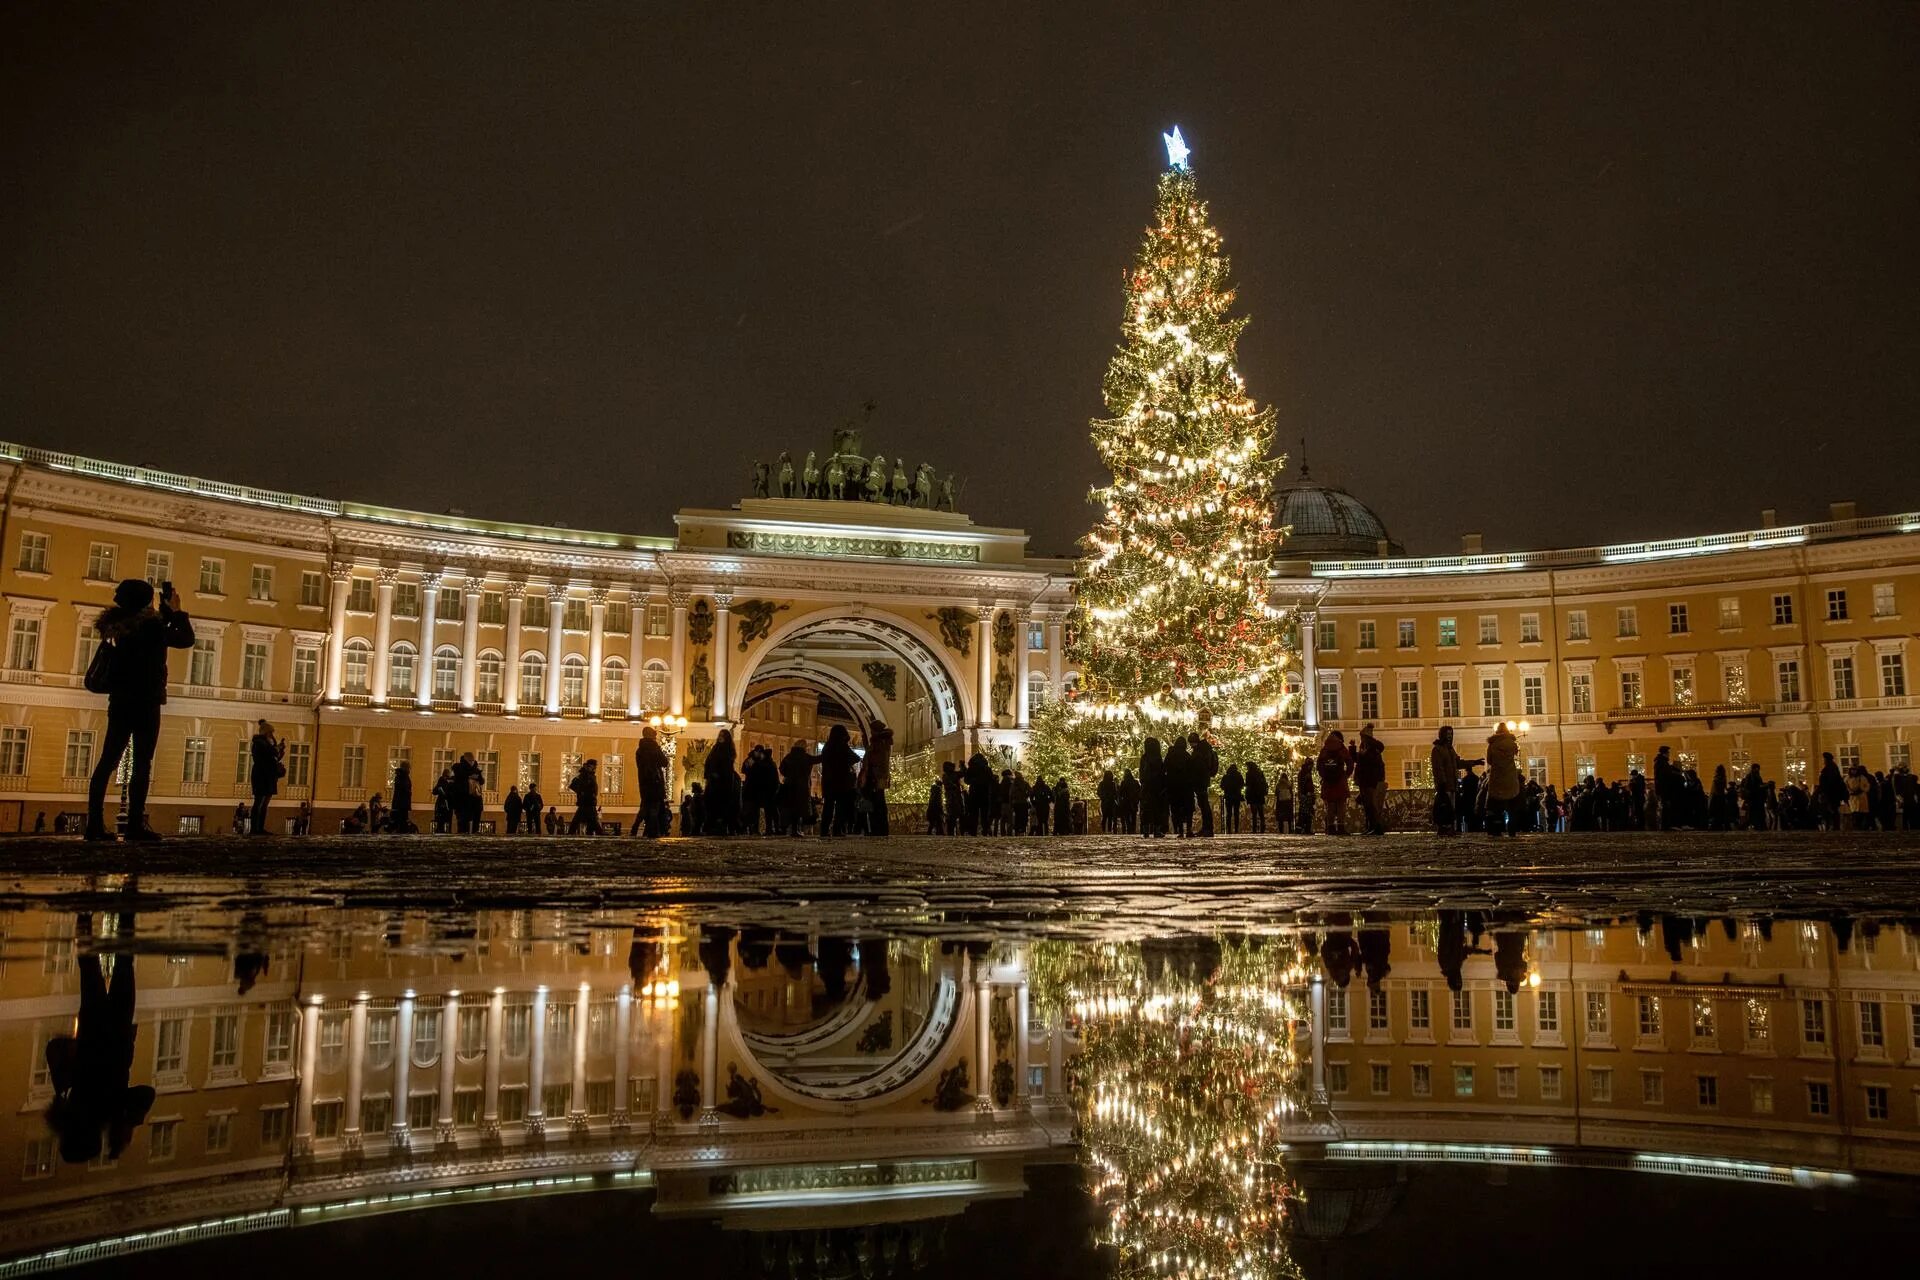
(370,636)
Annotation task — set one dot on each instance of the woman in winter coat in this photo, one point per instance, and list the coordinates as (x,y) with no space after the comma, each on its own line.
(265,754)
(1503,781)
(1153,790)
(876,775)
(836,781)
(723,786)
(1335,766)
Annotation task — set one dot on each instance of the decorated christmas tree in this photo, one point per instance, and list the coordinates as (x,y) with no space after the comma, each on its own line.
(1173,629)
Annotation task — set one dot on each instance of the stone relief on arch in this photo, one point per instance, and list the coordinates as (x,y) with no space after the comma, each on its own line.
(756,620)
(956,628)
(700,623)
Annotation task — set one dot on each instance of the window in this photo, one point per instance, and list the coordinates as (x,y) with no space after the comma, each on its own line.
(213,576)
(573,615)
(1841,667)
(518,1030)
(1813,1022)
(1409,699)
(1879,1104)
(13,751)
(306,668)
(1533,695)
(466,1107)
(1584,767)
(260,583)
(1653,1088)
(446,673)
(1580,693)
(1729,613)
(1631,692)
(1462,1011)
(360,595)
(659,625)
(1420,1009)
(1600,1084)
(513,1104)
(1329,697)
(473,1032)
(159,567)
(1367,636)
(1837,605)
(356,660)
(380,1038)
(1682,677)
(1883,601)
(1846,755)
(1677,619)
(1599,1019)
(1406,633)
(253,665)
(1760,1097)
(1503,1006)
(1325,635)
(653,686)
(426,1037)
(1450,699)
(573,681)
(1627,621)
(203,665)
(449,605)
(1506,1082)
(1782,609)
(313,588)
(489,673)
(1369,699)
(1376,1010)
(33,552)
(1900,756)
(1449,633)
(1490,695)
(1336,1077)
(1786,679)
(1819,1098)
(277,1053)
(161,1139)
(1549,1084)
(23,649)
(1529,628)
(1706,1030)
(613,683)
(1337,1024)
(219,1132)
(1489,629)
(226,1043)
(79,757)
(1422,1080)
(299,764)
(1706,1091)
(533,680)
(1873,1029)
(1893,676)
(1733,677)
(400,671)
(420,1110)
(1577,625)
(406,600)
(1759,1022)
(102,561)
(1649,1009)
(353,766)
(193,760)
(1379,1078)
(1462,1080)
(619,617)
(1547,1014)
(170,1046)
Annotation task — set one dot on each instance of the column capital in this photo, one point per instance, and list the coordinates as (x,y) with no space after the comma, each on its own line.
(472,586)
(597,595)
(514,589)
(723,598)
(340,570)
(679,597)
(432,577)
(386,577)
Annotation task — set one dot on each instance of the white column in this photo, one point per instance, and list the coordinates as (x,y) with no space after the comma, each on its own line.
(496,1042)
(663,1011)
(449,1055)
(1022,1060)
(402,1072)
(1309,677)
(983,1039)
(636,649)
(429,609)
(1057,1060)
(596,646)
(510,679)
(582,1009)
(709,1050)
(469,641)
(985,641)
(309,1061)
(722,600)
(1056,655)
(1022,711)
(537,1065)
(1317,1011)
(356,1069)
(556,641)
(342,578)
(622,1034)
(677,677)
(382,633)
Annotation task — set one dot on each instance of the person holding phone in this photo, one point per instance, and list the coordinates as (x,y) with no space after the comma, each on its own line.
(268,765)
(139,632)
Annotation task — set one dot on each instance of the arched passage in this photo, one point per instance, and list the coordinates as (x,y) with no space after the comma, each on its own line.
(951,701)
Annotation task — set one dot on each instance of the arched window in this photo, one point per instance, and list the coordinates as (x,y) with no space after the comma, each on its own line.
(354,673)
(446,673)
(400,671)
(653,686)
(573,681)
(533,680)
(489,677)
(613,684)
(1039,689)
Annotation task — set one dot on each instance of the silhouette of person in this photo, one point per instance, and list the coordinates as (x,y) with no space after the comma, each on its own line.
(93,1103)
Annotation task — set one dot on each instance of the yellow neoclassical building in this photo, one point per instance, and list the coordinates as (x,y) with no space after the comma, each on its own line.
(370,635)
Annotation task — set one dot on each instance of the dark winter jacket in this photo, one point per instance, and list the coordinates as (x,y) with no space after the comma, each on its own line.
(140,642)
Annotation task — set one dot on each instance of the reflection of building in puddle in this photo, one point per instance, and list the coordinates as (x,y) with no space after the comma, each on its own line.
(387,1063)
(1185,1076)
(1759,1050)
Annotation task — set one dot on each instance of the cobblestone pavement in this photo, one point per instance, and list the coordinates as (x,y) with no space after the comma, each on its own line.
(1081,886)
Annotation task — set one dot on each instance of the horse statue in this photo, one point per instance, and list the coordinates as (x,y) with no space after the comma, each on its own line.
(786,474)
(902,487)
(810,477)
(923,486)
(836,478)
(877,479)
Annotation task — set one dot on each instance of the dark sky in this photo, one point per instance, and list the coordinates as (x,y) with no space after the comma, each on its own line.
(1562,274)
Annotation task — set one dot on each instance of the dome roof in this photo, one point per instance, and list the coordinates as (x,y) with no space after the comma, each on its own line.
(1328,523)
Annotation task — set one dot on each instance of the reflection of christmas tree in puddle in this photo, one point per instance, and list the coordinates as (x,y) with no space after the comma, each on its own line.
(1185,1072)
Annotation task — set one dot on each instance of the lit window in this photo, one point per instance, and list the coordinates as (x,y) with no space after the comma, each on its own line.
(33,552)
(23,648)
(1600,1084)
(1529,628)
(1627,618)
(1577,624)
(1422,1077)
(1884,605)
(1729,613)
(1406,633)
(1449,633)
(159,567)
(1462,1080)
(1580,693)
(1760,1096)
(1489,629)
(213,576)
(102,561)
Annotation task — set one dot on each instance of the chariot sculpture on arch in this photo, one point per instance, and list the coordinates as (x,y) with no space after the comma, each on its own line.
(845,473)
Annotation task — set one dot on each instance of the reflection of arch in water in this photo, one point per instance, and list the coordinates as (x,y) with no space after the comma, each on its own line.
(796,674)
(913,644)
(902,1073)
(850,1013)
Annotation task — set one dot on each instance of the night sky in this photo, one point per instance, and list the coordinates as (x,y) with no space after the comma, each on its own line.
(1561,274)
